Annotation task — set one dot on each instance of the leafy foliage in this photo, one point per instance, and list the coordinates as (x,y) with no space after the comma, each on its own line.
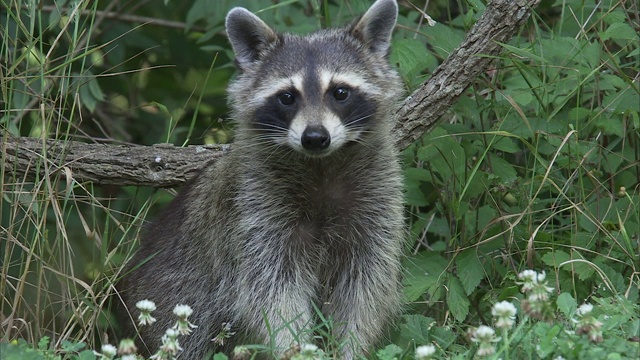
(536,167)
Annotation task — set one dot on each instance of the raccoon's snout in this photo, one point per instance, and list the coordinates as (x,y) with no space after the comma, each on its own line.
(315,138)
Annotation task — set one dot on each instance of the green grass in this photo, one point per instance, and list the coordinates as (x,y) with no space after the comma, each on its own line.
(536,167)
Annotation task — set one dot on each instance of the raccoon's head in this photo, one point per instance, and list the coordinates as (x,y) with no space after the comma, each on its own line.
(316,93)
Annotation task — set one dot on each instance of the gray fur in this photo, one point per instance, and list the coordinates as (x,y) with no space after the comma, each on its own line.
(269,232)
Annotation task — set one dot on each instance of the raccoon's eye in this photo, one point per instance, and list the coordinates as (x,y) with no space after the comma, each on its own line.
(341,94)
(286,98)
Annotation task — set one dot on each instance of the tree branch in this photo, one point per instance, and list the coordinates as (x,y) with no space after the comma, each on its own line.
(420,112)
(167,166)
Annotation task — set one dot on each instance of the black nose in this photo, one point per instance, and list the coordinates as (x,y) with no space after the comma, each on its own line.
(315,138)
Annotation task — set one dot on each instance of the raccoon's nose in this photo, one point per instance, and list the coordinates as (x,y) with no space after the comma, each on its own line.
(315,137)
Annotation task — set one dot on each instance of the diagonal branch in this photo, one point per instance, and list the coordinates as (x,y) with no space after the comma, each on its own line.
(167,166)
(421,111)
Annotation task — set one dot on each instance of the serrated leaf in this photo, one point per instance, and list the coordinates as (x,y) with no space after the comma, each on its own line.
(220,356)
(425,272)
(43,343)
(87,99)
(505,144)
(555,258)
(548,336)
(584,270)
(69,346)
(15,352)
(416,328)
(410,55)
(390,352)
(611,127)
(566,304)
(525,53)
(579,113)
(470,270)
(445,39)
(621,31)
(87,355)
(457,300)
(614,16)
(502,169)
(444,337)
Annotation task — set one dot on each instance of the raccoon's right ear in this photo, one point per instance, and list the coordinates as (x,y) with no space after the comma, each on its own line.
(248,35)
(376,25)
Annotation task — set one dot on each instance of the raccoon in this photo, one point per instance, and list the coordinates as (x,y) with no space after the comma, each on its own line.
(304,217)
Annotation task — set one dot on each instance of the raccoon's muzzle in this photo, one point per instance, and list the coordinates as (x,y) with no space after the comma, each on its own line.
(315,138)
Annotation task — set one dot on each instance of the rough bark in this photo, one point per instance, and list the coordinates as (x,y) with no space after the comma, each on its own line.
(421,111)
(162,165)
(167,165)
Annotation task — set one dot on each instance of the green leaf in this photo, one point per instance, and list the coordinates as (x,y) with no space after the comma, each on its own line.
(525,53)
(87,355)
(425,272)
(414,179)
(416,328)
(555,258)
(390,352)
(505,144)
(220,356)
(579,113)
(611,127)
(566,304)
(470,270)
(620,31)
(410,55)
(502,169)
(547,335)
(444,337)
(15,352)
(584,270)
(445,39)
(43,344)
(614,16)
(69,346)
(457,300)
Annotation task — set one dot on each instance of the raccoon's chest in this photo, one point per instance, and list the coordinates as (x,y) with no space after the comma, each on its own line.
(328,210)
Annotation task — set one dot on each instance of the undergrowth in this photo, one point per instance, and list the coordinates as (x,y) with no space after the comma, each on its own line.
(537,167)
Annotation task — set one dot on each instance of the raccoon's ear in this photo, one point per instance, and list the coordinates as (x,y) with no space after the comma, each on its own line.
(248,35)
(375,27)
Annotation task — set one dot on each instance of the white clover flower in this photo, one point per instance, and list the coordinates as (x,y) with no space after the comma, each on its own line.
(529,280)
(127,346)
(182,311)
(170,344)
(308,348)
(584,309)
(129,357)
(109,350)
(172,333)
(146,305)
(528,276)
(307,352)
(145,319)
(425,352)
(183,326)
(484,334)
(485,350)
(541,276)
(505,313)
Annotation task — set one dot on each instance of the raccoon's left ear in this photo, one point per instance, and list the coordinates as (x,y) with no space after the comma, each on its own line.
(375,27)
(248,35)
